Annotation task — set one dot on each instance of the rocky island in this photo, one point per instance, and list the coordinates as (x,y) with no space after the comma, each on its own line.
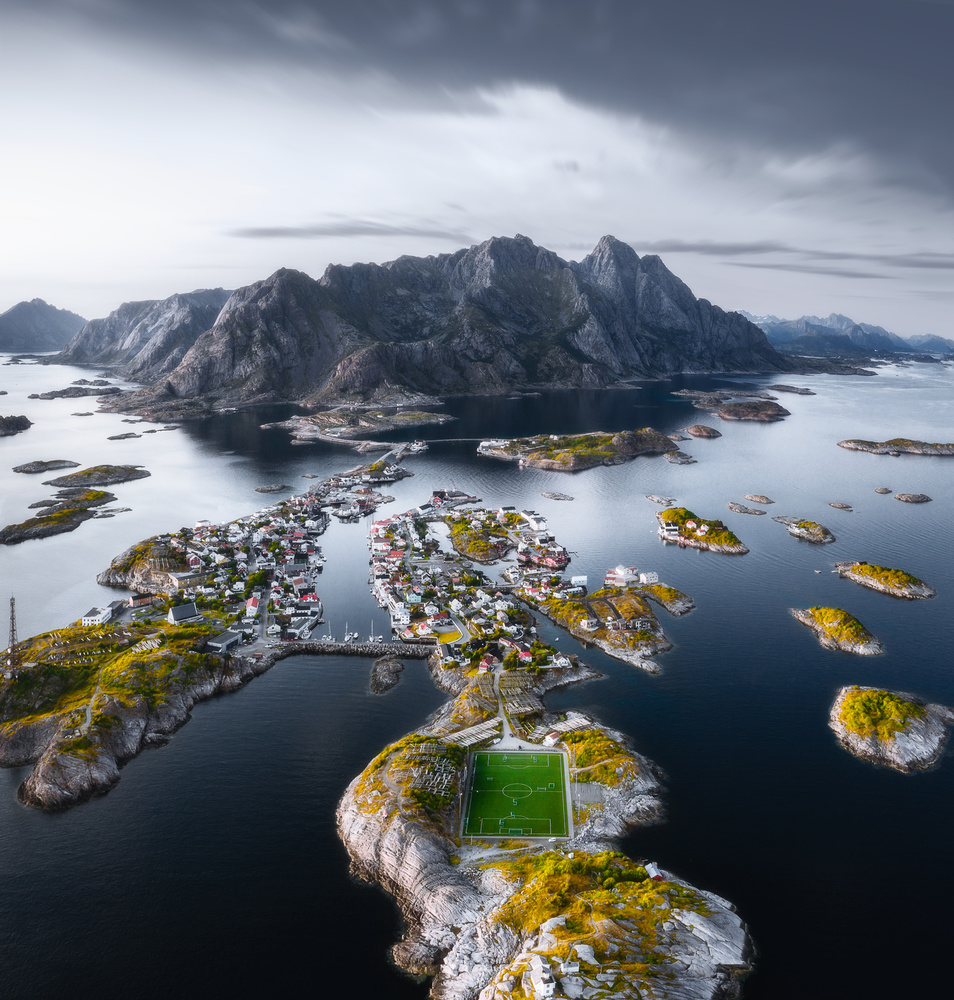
(576,452)
(33,468)
(898,446)
(763,411)
(14,425)
(890,728)
(680,526)
(807,531)
(100,475)
(618,621)
(490,911)
(837,629)
(344,423)
(895,582)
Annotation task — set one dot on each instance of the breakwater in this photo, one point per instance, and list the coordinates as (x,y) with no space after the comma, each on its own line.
(369,650)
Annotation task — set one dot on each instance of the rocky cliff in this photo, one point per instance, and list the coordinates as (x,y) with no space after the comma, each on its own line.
(146,339)
(37,326)
(505,315)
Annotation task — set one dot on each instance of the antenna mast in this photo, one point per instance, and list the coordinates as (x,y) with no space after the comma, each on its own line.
(13,653)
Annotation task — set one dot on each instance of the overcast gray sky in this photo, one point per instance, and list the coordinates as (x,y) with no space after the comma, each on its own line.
(784,157)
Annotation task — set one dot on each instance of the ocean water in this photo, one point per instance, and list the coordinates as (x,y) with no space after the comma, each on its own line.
(214,868)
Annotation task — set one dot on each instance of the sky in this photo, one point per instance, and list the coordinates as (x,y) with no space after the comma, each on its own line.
(781,157)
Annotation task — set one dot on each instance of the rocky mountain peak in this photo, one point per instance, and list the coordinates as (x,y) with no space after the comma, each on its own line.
(505,315)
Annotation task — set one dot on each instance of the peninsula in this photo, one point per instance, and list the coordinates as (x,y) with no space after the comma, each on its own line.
(890,728)
(576,452)
(895,582)
(837,629)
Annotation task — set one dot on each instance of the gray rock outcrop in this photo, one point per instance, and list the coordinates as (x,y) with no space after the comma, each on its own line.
(145,340)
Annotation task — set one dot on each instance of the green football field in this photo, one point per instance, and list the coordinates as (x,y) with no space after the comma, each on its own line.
(516,795)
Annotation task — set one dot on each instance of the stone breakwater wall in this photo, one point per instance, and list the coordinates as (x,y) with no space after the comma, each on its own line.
(369,650)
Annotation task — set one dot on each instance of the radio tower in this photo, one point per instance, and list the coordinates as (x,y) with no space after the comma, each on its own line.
(13,652)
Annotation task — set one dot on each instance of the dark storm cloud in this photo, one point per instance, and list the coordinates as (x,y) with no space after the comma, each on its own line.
(787,78)
(354,227)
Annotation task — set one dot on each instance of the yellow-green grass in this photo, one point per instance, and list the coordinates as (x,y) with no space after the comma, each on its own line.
(716,534)
(593,892)
(885,575)
(867,712)
(597,757)
(840,625)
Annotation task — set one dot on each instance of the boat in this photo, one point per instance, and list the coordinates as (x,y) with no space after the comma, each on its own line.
(372,637)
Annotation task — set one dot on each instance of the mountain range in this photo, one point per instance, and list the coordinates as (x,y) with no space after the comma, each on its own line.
(37,326)
(840,335)
(505,315)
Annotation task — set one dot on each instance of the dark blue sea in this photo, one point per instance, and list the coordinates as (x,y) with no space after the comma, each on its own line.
(213,869)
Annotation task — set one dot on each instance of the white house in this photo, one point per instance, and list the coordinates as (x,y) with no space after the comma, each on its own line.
(621,576)
(96,616)
(538,981)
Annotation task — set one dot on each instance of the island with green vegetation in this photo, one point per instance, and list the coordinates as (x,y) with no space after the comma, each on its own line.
(807,531)
(898,446)
(837,629)
(100,475)
(890,728)
(617,620)
(895,582)
(577,452)
(479,535)
(66,513)
(681,526)
(503,889)
(351,422)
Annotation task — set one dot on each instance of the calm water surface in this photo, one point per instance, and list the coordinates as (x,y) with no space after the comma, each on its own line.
(214,868)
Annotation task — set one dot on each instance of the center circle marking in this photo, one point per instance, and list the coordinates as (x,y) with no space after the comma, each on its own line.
(517,790)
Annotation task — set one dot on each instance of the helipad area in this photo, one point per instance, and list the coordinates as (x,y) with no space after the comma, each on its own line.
(517,794)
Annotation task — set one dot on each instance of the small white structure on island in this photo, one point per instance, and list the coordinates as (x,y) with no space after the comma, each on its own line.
(578,581)
(648,578)
(621,576)
(96,616)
